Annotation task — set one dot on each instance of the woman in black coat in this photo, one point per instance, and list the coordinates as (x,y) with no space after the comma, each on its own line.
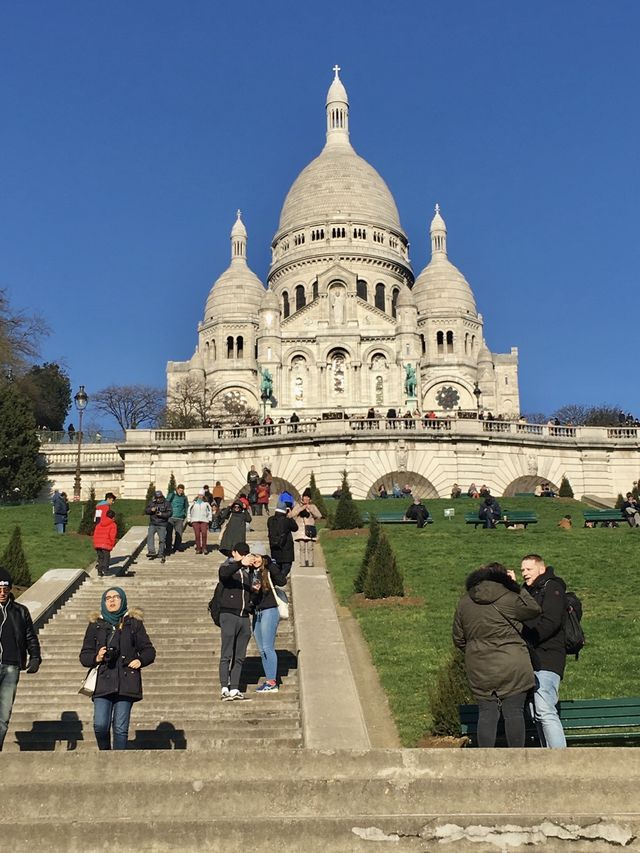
(235,531)
(487,628)
(116,640)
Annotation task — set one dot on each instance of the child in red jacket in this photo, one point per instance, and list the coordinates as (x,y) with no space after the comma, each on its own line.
(104,538)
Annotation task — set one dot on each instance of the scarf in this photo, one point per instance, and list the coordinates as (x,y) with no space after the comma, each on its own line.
(113,617)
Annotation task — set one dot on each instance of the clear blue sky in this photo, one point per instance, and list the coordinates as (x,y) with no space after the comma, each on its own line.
(131,132)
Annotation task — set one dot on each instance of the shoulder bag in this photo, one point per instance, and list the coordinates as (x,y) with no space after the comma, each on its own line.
(88,686)
(282,601)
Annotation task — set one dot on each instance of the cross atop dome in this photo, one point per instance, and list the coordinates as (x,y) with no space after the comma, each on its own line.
(337,69)
(438,232)
(337,110)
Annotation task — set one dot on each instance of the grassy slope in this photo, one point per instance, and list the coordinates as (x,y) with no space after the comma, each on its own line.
(46,549)
(408,643)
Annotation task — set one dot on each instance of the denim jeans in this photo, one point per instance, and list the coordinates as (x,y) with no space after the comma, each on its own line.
(265,626)
(60,526)
(161,530)
(9,677)
(111,711)
(544,710)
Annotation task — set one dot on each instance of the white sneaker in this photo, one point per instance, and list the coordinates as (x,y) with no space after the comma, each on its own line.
(224,693)
(235,694)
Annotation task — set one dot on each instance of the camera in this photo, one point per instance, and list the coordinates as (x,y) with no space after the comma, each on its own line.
(110,656)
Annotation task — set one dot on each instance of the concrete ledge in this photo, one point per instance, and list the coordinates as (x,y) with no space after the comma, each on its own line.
(125,551)
(332,716)
(50,592)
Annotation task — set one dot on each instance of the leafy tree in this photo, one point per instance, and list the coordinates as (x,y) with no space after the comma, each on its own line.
(48,388)
(171,486)
(151,490)
(20,336)
(383,578)
(15,561)
(372,544)
(88,519)
(316,497)
(132,406)
(347,514)
(565,490)
(449,690)
(23,471)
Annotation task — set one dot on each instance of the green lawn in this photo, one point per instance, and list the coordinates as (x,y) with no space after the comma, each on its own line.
(409,643)
(44,547)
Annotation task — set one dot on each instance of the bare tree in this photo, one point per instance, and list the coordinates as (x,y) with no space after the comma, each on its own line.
(579,414)
(131,405)
(573,413)
(535,417)
(193,405)
(20,336)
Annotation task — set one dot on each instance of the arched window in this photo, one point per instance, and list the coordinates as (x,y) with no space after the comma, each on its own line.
(301,297)
(361,289)
(229,347)
(473,343)
(449,342)
(239,347)
(285,304)
(466,343)
(394,298)
(424,344)
(440,342)
(314,289)
(379,301)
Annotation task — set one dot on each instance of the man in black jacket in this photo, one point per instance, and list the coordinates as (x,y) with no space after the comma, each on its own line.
(281,528)
(545,634)
(17,640)
(159,511)
(236,605)
(417,512)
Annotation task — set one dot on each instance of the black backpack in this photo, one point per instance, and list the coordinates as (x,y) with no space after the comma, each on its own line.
(574,638)
(215,604)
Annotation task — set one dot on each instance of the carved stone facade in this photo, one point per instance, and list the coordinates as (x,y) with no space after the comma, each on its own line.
(342,317)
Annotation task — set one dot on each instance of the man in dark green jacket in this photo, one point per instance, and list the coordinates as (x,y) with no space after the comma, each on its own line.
(179,507)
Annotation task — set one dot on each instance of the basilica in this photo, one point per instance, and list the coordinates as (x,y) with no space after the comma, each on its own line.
(343,324)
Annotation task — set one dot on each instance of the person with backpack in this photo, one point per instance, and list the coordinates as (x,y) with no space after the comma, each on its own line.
(281,527)
(546,637)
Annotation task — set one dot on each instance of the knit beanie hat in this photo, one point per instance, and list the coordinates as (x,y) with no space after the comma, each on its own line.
(5,577)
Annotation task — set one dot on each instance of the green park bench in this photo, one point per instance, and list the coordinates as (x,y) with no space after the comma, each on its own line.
(586,722)
(601,516)
(509,517)
(525,494)
(391,518)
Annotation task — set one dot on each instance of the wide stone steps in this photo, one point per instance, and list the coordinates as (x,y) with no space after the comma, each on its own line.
(338,801)
(181,706)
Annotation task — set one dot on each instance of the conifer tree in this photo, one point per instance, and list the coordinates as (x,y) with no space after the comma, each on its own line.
(151,490)
(369,551)
(383,578)
(619,501)
(448,692)
(316,497)
(635,491)
(88,520)
(121,527)
(347,515)
(171,487)
(23,471)
(565,490)
(15,561)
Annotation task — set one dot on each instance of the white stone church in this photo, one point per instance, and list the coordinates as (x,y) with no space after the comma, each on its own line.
(343,324)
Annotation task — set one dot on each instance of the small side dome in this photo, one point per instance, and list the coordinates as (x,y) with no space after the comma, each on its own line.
(238,293)
(405,298)
(441,288)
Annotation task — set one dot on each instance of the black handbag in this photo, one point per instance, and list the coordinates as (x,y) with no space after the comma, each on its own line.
(310,531)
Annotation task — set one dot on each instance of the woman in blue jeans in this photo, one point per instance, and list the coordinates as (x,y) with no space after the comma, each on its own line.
(265,620)
(116,640)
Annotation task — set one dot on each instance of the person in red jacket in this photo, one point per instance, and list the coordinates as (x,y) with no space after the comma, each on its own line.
(104,538)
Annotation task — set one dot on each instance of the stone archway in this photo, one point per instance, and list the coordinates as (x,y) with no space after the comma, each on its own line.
(420,486)
(527,484)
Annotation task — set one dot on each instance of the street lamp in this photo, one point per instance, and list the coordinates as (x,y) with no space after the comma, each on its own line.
(81,399)
(476,393)
(265,397)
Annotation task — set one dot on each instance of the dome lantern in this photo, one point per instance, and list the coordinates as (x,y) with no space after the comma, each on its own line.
(337,111)
(438,232)
(238,240)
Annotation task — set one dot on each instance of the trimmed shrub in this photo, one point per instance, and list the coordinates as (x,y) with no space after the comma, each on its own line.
(15,561)
(565,490)
(372,544)
(635,491)
(88,519)
(316,497)
(383,578)
(347,513)
(619,502)
(151,490)
(120,525)
(171,486)
(449,690)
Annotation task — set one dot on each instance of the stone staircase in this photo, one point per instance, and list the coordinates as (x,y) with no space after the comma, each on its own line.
(181,708)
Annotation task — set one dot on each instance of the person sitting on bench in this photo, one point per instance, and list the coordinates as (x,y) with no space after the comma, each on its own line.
(417,512)
(631,510)
(490,512)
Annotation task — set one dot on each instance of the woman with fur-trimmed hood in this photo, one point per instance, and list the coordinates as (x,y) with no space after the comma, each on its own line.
(117,641)
(487,627)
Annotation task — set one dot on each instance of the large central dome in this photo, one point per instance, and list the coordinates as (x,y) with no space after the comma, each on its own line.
(338,185)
